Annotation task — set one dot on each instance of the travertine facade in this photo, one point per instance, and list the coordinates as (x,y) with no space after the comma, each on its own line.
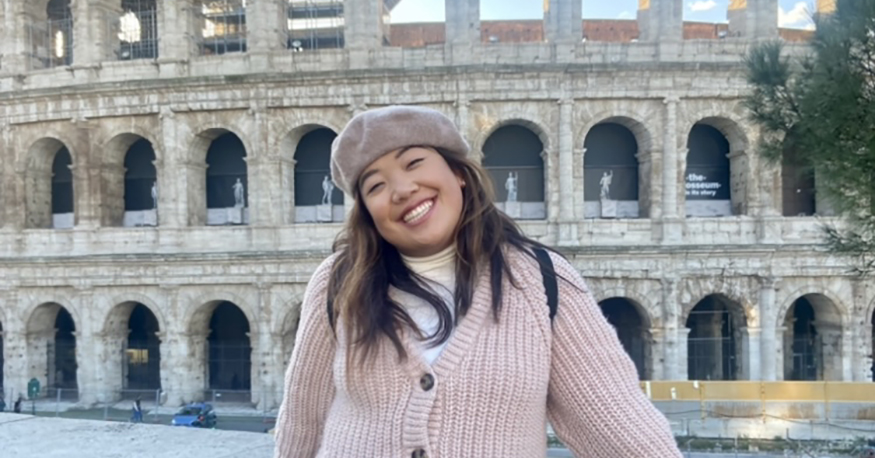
(757,261)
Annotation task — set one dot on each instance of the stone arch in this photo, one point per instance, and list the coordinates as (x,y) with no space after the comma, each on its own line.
(221,208)
(626,118)
(50,331)
(133,354)
(631,163)
(228,347)
(813,338)
(127,185)
(116,146)
(694,292)
(632,324)
(527,170)
(716,344)
(821,294)
(39,186)
(116,312)
(206,133)
(310,169)
(198,311)
(740,176)
(649,311)
(539,128)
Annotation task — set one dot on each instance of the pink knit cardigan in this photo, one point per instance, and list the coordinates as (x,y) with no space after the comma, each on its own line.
(489,394)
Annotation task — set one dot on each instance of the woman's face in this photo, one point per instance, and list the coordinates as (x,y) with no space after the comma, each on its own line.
(414,198)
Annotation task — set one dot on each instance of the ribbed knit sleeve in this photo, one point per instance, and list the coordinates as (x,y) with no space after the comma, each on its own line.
(309,384)
(595,403)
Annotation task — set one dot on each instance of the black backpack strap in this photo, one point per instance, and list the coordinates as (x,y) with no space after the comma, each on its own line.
(548,274)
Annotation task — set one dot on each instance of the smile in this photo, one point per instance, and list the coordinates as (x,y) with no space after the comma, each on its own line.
(419,212)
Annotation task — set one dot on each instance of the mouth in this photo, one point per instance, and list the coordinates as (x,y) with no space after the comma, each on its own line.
(418,213)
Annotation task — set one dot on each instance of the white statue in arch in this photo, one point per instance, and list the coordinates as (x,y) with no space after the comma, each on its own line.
(155,195)
(605,184)
(239,194)
(327,190)
(511,186)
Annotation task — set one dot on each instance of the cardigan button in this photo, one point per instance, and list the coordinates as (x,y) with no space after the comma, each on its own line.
(426,382)
(418,453)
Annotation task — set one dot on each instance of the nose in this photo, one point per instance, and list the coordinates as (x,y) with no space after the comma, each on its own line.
(402,190)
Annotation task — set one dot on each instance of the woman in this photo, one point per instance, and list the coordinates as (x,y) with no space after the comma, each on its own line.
(427,333)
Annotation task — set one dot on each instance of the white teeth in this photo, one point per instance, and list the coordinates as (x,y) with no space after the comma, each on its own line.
(418,212)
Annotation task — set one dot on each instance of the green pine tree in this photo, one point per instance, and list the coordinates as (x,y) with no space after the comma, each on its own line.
(818,111)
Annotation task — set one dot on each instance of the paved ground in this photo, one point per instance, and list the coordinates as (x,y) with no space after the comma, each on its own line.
(25,436)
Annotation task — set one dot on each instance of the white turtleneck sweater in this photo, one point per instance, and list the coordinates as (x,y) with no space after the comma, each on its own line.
(439,270)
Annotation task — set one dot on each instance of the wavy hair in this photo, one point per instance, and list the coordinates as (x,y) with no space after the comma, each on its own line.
(367,265)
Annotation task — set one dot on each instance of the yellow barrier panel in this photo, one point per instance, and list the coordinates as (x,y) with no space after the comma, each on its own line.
(754,391)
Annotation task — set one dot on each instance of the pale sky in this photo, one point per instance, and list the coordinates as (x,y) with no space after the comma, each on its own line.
(791,13)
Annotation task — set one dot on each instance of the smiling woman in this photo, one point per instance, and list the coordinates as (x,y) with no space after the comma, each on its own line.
(396,354)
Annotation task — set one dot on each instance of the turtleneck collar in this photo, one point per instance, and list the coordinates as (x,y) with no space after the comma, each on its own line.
(422,265)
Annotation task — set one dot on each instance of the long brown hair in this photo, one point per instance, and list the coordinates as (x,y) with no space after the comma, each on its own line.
(367,265)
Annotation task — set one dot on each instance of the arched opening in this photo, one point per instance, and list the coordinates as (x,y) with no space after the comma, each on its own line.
(797,186)
(512,156)
(316,197)
(633,331)
(229,353)
(813,340)
(42,159)
(227,182)
(610,169)
(141,185)
(51,344)
(138,30)
(224,26)
(58,37)
(62,190)
(143,351)
(715,342)
(707,177)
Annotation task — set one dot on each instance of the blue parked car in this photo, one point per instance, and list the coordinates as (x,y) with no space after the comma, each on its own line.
(196,415)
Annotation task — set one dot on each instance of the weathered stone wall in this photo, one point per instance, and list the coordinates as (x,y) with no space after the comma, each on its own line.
(663,262)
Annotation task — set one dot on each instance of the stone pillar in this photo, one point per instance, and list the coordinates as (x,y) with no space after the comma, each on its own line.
(769,339)
(172,206)
(183,366)
(567,194)
(563,21)
(180,27)
(863,344)
(751,349)
(18,44)
(675,340)
(112,179)
(111,374)
(661,20)
(86,195)
(836,366)
(462,30)
(364,30)
(657,353)
(16,370)
(671,228)
(267,25)
(753,19)
(95,31)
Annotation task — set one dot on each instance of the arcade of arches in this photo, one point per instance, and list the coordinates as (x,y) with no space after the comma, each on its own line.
(217,351)
(616,182)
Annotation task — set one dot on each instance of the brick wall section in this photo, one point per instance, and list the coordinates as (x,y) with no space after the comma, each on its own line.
(529,31)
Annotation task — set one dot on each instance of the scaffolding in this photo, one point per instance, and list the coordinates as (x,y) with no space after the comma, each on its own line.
(137,30)
(315,24)
(224,28)
(712,355)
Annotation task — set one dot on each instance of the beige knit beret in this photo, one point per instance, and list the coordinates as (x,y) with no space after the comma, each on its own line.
(371,134)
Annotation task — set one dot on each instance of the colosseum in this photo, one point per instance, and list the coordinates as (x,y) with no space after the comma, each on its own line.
(164,200)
